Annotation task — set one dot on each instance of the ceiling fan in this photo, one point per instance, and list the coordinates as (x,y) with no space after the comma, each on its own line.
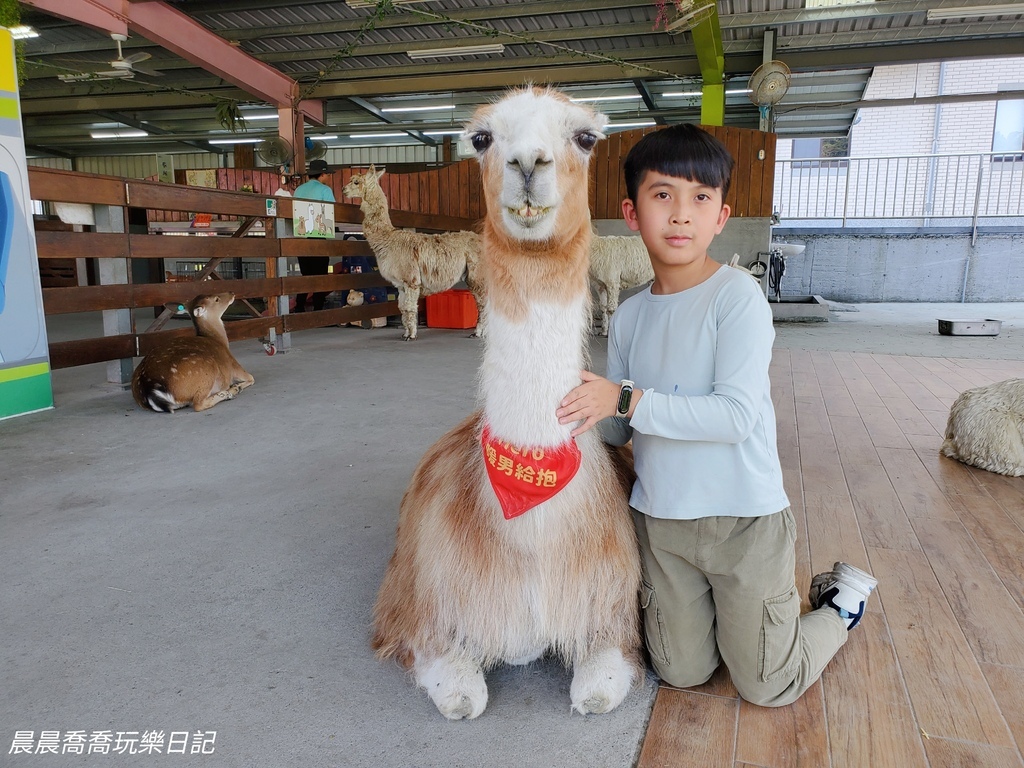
(121,68)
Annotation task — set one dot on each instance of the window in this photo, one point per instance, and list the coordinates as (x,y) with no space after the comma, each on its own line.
(1008,134)
(821,153)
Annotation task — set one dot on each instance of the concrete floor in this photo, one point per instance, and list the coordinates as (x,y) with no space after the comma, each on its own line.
(216,571)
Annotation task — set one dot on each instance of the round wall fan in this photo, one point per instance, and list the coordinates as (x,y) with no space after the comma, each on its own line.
(768,84)
(314,149)
(691,13)
(275,151)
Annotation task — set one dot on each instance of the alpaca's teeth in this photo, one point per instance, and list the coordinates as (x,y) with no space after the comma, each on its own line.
(528,211)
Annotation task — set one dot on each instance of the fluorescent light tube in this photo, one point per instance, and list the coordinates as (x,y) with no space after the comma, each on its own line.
(22,32)
(235,141)
(675,94)
(259,117)
(465,50)
(449,132)
(966,12)
(638,124)
(376,135)
(631,97)
(417,109)
(120,133)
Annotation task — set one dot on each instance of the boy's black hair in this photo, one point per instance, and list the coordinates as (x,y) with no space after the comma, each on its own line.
(684,151)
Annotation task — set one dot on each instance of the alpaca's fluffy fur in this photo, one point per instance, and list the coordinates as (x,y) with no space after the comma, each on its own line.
(467,589)
(617,263)
(986,428)
(417,264)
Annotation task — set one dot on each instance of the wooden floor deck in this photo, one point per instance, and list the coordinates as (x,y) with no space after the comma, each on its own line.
(934,675)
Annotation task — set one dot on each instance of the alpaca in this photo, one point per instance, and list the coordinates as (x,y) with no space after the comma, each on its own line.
(503,555)
(417,264)
(986,428)
(617,263)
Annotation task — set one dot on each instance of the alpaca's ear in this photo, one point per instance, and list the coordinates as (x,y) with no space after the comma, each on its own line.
(379,173)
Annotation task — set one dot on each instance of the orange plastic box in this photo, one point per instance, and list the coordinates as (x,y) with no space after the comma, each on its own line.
(451,309)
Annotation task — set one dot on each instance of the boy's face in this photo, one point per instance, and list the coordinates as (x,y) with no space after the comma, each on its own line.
(677,218)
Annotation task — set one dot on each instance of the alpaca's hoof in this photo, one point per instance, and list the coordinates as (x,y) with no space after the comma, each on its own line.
(460,710)
(595,705)
(601,682)
(456,686)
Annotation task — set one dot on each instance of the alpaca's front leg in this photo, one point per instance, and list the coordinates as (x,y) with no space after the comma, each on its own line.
(610,305)
(454,683)
(601,681)
(408,303)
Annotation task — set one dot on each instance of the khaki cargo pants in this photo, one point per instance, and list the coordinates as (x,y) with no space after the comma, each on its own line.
(722,589)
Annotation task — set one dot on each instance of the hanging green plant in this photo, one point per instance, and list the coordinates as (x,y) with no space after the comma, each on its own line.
(10,16)
(229,115)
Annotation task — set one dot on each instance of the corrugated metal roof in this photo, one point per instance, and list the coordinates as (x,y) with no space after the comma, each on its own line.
(587,47)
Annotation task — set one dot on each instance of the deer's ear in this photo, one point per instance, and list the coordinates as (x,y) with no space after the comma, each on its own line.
(199,311)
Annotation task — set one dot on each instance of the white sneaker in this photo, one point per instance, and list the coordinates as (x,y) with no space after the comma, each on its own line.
(845,589)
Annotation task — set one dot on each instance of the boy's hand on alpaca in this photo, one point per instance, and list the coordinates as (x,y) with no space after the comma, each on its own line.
(591,401)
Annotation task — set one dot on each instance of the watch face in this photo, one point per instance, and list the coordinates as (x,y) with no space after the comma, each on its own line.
(625,395)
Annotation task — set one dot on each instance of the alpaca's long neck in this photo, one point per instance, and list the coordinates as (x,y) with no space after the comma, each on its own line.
(376,219)
(534,351)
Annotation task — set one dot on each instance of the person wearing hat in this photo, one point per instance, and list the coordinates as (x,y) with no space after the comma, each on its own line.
(314,189)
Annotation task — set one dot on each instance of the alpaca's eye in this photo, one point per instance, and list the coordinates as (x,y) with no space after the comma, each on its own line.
(586,141)
(481,141)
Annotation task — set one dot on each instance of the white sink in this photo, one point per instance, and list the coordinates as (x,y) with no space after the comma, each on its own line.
(788,249)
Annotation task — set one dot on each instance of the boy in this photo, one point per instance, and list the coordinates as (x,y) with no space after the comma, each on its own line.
(715,529)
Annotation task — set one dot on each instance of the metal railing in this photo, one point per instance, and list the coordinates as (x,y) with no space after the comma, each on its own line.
(916,188)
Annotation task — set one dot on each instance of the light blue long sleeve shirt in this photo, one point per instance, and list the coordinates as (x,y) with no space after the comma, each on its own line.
(704,430)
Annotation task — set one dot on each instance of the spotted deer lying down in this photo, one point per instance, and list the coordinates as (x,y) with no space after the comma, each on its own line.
(198,370)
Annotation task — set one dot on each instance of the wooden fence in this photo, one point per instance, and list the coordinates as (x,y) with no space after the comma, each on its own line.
(455,189)
(113,247)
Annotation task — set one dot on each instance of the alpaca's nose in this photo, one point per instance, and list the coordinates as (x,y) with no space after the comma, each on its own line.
(528,163)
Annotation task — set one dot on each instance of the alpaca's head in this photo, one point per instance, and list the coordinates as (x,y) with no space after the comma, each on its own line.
(534,148)
(360,182)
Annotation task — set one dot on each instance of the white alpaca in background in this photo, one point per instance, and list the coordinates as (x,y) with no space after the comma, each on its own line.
(417,264)
(986,428)
(617,263)
(503,555)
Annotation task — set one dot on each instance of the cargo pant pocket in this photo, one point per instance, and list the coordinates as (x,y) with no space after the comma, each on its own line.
(654,626)
(779,653)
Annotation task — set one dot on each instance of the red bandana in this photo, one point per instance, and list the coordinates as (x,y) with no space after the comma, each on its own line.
(522,478)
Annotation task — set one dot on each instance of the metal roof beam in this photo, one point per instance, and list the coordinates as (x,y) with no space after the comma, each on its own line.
(142,125)
(182,35)
(371,109)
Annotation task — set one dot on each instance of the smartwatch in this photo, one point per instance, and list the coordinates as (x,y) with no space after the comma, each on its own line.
(625,397)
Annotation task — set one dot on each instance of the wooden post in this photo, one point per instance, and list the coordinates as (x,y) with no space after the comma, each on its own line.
(111,218)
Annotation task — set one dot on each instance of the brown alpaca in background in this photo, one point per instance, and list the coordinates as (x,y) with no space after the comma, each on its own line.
(545,560)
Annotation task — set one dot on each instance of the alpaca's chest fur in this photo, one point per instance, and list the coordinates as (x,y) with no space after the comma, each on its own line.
(528,367)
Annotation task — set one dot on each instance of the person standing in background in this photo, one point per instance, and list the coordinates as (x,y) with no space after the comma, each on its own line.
(314,189)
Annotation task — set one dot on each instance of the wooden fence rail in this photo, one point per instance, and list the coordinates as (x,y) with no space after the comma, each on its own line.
(118,247)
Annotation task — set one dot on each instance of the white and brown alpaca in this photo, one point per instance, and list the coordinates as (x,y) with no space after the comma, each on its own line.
(416,263)
(986,428)
(617,263)
(552,566)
